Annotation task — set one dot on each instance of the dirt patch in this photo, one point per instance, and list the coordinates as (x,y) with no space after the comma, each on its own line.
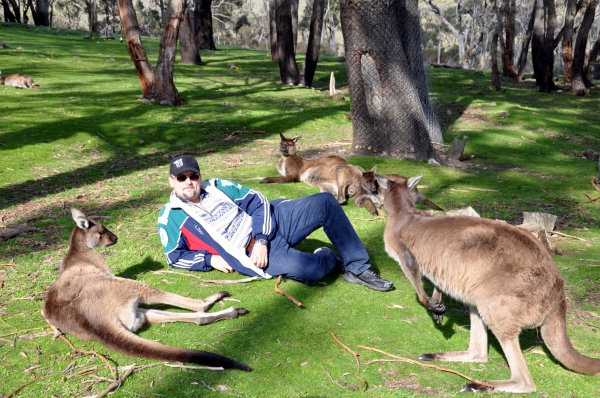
(395,380)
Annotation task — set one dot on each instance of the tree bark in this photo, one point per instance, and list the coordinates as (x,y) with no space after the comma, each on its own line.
(592,64)
(9,15)
(387,114)
(568,32)
(579,83)
(203,25)
(525,46)
(288,69)
(494,49)
(294,11)
(508,66)
(273,30)
(542,51)
(157,85)
(314,43)
(187,43)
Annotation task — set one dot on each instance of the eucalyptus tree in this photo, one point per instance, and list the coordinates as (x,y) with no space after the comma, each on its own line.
(390,108)
(12,10)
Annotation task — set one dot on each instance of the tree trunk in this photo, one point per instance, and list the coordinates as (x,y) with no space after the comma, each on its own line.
(273,29)
(567,39)
(294,12)
(494,50)
(525,46)
(156,85)
(314,43)
(9,15)
(387,114)
(508,66)
(579,83)
(592,64)
(187,43)
(203,25)
(288,69)
(542,54)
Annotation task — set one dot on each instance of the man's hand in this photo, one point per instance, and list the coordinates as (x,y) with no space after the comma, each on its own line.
(260,255)
(218,263)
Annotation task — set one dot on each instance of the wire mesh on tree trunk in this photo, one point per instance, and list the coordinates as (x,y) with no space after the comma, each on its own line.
(388,115)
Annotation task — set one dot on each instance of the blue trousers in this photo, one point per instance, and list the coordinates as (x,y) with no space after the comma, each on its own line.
(298,218)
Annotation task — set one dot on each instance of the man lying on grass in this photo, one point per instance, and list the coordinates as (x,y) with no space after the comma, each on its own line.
(220,224)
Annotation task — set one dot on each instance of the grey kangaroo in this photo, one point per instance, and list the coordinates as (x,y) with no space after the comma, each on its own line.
(89,302)
(18,80)
(505,276)
(331,174)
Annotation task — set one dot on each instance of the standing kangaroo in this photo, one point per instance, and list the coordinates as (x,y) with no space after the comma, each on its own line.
(331,174)
(18,80)
(89,302)
(505,276)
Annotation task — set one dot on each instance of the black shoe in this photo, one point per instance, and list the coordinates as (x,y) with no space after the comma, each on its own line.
(370,279)
(339,263)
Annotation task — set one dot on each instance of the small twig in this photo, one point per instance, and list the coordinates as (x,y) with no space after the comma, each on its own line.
(425,365)
(528,139)
(581,259)
(224,281)
(567,236)
(364,383)
(19,331)
(594,184)
(331,378)
(22,387)
(561,201)
(211,150)
(289,297)
(116,384)
(170,365)
(89,353)
(370,219)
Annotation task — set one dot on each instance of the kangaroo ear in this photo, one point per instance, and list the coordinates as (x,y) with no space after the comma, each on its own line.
(79,218)
(382,181)
(361,169)
(413,181)
(282,136)
(374,169)
(295,139)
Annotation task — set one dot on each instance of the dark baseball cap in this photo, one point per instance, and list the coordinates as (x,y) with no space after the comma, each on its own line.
(184,163)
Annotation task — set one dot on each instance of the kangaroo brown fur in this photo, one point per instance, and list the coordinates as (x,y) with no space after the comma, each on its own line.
(372,200)
(502,272)
(18,80)
(89,302)
(331,174)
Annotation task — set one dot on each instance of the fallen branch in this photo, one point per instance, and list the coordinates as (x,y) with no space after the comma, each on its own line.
(591,200)
(89,353)
(12,233)
(594,184)
(224,281)
(561,201)
(289,297)
(116,384)
(19,331)
(364,383)
(204,152)
(337,383)
(22,387)
(425,365)
(567,236)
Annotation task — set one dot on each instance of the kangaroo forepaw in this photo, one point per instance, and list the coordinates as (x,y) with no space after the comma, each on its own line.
(222,295)
(438,309)
(474,387)
(240,311)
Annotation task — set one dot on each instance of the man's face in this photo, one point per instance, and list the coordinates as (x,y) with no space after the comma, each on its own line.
(186,187)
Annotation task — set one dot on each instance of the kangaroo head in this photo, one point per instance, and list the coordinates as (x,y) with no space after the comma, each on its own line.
(288,145)
(369,180)
(94,233)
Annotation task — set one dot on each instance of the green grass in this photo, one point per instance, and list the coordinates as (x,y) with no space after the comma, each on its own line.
(84,141)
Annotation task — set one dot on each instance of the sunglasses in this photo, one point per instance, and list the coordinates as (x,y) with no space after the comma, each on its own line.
(192,177)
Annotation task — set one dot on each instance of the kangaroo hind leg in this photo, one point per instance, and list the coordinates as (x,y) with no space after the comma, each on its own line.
(199,318)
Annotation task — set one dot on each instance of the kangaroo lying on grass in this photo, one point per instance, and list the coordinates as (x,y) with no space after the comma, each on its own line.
(331,174)
(505,276)
(372,200)
(89,302)
(18,80)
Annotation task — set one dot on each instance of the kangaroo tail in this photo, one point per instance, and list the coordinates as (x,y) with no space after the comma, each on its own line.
(126,342)
(554,333)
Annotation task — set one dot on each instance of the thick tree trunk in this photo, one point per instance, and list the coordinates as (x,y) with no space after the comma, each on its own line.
(156,85)
(508,66)
(567,39)
(592,64)
(273,30)
(387,114)
(288,69)
(314,43)
(187,43)
(579,82)
(203,25)
(542,51)
(9,15)
(525,46)
(294,12)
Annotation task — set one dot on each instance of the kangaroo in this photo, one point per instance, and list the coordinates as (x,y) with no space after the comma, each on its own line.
(89,302)
(18,80)
(372,200)
(505,276)
(331,174)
